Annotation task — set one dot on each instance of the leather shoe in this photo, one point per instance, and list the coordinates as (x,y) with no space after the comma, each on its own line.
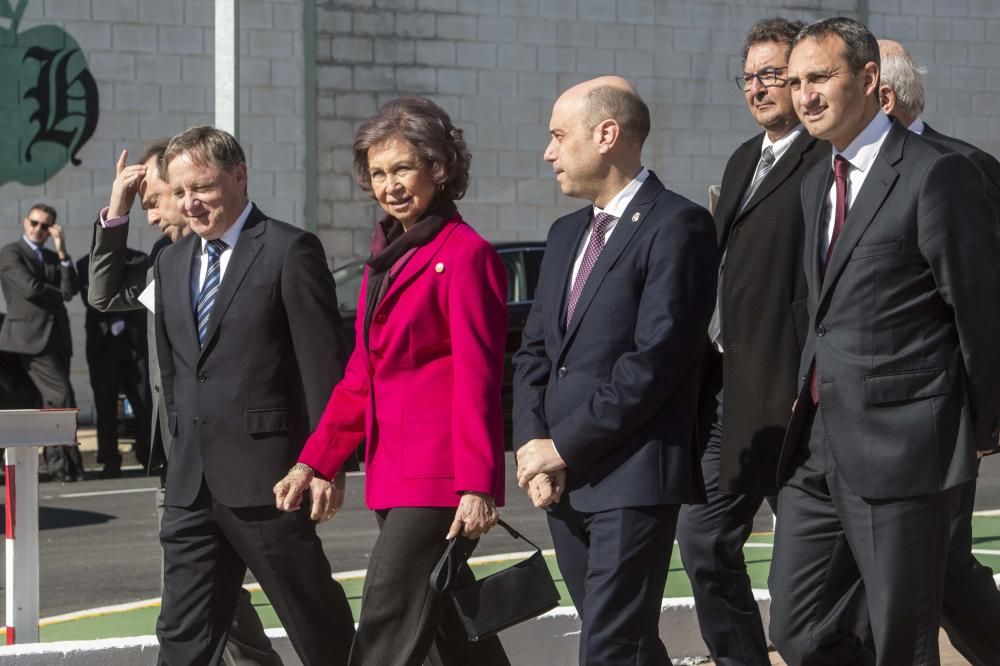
(112,470)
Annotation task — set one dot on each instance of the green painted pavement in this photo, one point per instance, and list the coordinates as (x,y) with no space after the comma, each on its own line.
(141,622)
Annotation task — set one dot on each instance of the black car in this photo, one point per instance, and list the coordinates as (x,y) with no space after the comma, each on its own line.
(522,261)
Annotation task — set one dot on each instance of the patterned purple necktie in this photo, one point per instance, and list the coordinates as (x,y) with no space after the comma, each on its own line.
(590,255)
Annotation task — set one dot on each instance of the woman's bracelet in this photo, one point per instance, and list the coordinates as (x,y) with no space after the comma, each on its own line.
(302,467)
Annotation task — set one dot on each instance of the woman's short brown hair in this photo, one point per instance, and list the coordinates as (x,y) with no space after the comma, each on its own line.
(429,129)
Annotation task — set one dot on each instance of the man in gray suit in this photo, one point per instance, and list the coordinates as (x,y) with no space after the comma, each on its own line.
(899,387)
(117,285)
(36,284)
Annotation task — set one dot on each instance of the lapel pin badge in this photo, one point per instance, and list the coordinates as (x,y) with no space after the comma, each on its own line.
(635,218)
(439,267)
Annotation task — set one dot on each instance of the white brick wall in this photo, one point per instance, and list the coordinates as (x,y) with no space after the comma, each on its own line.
(152,60)
(497,66)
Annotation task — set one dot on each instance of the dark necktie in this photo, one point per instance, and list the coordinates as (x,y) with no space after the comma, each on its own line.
(206,298)
(767,160)
(590,255)
(840,169)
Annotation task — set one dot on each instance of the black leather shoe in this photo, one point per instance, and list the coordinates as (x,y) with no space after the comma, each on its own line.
(112,470)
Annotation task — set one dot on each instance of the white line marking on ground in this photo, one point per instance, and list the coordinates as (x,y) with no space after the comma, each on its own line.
(991,513)
(99,493)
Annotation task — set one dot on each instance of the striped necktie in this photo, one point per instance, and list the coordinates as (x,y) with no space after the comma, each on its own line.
(767,160)
(206,299)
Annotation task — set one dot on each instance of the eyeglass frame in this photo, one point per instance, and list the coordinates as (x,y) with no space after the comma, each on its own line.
(36,223)
(741,79)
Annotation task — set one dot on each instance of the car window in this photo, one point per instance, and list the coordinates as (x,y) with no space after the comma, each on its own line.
(532,267)
(348,279)
(513,261)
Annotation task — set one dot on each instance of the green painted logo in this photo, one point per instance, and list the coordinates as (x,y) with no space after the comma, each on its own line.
(48,99)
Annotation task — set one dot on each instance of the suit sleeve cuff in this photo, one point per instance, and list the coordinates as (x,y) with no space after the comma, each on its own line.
(113,222)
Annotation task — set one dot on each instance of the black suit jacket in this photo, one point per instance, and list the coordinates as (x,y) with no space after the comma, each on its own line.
(903,325)
(617,390)
(988,165)
(97,324)
(764,310)
(36,296)
(240,408)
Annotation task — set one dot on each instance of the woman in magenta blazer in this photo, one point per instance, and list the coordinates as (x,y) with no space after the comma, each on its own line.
(422,387)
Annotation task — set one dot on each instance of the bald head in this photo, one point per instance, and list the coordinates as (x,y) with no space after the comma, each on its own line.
(901,84)
(610,98)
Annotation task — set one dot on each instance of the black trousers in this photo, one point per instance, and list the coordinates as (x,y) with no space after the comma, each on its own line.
(615,566)
(114,363)
(402,620)
(710,538)
(899,548)
(971,597)
(49,371)
(207,548)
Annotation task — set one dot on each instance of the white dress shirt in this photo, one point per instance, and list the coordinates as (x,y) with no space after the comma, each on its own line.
(37,249)
(615,207)
(200,268)
(781,146)
(861,155)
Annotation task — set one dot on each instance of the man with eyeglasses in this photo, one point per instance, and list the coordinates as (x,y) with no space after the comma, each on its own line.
(756,335)
(36,283)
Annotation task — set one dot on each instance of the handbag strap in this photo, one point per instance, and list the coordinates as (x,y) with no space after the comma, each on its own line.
(517,535)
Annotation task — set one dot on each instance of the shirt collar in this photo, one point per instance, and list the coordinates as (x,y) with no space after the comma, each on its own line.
(862,151)
(620,201)
(782,145)
(232,233)
(917,126)
(34,247)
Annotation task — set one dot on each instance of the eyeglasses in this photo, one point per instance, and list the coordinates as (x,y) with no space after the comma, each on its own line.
(39,223)
(769,76)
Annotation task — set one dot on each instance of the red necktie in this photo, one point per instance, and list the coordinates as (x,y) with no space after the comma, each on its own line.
(840,169)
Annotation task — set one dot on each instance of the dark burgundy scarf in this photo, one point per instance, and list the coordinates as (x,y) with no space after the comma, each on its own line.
(392,248)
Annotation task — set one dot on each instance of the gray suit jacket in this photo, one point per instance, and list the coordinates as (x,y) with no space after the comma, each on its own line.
(903,324)
(115,286)
(36,296)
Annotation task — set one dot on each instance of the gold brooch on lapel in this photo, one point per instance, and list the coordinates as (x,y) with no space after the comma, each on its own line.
(439,267)
(635,218)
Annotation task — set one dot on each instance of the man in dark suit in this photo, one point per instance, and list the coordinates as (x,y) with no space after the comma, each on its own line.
(117,285)
(117,359)
(36,284)
(249,344)
(605,384)
(757,333)
(898,376)
(971,597)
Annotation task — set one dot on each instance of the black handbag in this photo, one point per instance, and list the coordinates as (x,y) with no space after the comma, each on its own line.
(503,599)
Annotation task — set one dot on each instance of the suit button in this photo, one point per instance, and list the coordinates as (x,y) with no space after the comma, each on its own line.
(202,377)
(562,372)
(195,420)
(820,331)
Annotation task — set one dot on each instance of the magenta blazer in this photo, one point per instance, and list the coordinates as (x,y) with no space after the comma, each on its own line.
(425,391)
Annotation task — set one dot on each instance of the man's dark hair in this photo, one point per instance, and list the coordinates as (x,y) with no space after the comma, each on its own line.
(776,29)
(861,47)
(208,145)
(623,106)
(45,208)
(156,150)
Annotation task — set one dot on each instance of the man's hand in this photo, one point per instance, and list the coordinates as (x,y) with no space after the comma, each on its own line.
(536,457)
(327,498)
(476,514)
(60,241)
(289,491)
(546,489)
(125,187)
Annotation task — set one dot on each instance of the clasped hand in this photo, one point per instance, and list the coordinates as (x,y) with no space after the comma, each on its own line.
(327,497)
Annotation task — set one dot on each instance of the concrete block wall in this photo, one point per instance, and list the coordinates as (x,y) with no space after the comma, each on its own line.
(497,65)
(153,64)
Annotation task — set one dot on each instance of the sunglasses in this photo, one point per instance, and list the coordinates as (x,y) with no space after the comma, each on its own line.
(38,223)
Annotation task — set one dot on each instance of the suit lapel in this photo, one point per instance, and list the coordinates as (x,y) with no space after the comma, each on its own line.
(780,173)
(813,218)
(248,246)
(29,254)
(630,221)
(178,289)
(730,198)
(581,221)
(873,193)
(418,262)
